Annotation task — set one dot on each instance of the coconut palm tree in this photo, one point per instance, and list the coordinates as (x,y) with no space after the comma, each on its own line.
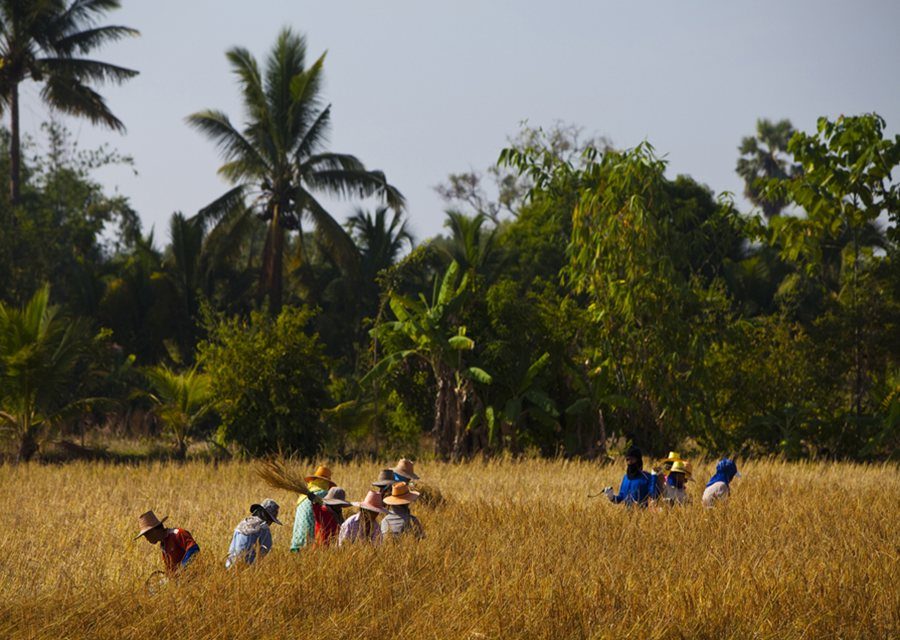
(764,157)
(48,41)
(276,162)
(40,357)
(182,401)
(380,242)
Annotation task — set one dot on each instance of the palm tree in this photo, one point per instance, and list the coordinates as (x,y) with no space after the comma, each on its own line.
(46,41)
(40,356)
(276,160)
(380,242)
(472,245)
(182,401)
(763,158)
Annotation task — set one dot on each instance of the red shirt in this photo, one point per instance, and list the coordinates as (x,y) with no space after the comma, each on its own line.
(327,526)
(177,547)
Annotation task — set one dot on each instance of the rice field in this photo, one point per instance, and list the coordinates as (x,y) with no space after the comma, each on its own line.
(515,550)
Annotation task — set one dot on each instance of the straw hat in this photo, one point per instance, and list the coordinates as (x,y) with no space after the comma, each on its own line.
(400,494)
(336,497)
(270,507)
(404,469)
(673,456)
(679,466)
(322,473)
(373,502)
(385,479)
(147,521)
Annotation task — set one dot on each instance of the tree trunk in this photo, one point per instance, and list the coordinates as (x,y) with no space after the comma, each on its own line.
(444,418)
(27,446)
(15,149)
(271,277)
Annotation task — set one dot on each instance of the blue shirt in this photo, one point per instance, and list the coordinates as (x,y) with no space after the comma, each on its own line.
(249,533)
(637,490)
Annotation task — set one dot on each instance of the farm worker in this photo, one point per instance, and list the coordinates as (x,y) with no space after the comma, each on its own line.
(384,482)
(251,532)
(718,486)
(364,524)
(304,518)
(638,486)
(400,520)
(674,492)
(329,517)
(178,546)
(403,472)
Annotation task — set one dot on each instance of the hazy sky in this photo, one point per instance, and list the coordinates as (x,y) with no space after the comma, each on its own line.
(421,89)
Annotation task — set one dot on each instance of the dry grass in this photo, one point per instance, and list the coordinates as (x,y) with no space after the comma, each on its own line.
(514,550)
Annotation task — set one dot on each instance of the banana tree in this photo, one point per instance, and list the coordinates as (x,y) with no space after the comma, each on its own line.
(430,331)
(528,400)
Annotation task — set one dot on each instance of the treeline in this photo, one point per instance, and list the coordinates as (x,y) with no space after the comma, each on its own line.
(578,298)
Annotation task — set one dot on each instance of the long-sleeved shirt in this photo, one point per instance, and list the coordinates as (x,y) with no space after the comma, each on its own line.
(304,520)
(250,533)
(637,490)
(396,523)
(178,547)
(351,531)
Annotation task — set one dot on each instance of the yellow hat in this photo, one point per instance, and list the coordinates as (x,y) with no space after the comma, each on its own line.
(673,456)
(680,466)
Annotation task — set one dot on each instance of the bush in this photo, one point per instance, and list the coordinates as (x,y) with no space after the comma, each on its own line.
(269,378)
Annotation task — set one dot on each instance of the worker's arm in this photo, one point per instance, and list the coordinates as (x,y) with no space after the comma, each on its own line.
(190,553)
(265,541)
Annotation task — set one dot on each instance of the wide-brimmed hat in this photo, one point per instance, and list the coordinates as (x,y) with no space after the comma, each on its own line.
(336,497)
(147,521)
(270,507)
(385,478)
(322,473)
(404,469)
(672,457)
(679,466)
(400,494)
(372,502)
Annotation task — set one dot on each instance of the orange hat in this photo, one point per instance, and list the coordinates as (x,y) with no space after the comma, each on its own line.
(400,494)
(322,473)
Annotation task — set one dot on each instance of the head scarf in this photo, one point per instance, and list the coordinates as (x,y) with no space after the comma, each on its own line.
(634,470)
(726,470)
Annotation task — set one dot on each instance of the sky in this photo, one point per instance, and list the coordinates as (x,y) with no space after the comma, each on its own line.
(422,89)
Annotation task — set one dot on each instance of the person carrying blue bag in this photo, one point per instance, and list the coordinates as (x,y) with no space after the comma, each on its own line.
(638,487)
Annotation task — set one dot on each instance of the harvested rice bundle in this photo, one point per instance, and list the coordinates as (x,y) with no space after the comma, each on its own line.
(275,474)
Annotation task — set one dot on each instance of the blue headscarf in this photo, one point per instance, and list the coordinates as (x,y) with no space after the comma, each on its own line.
(726,470)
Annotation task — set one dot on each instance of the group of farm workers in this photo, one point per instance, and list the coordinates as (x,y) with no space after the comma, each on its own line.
(318,521)
(667,484)
(319,518)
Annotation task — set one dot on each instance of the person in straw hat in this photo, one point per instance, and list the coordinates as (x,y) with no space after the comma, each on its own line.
(638,487)
(674,492)
(404,472)
(363,526)
(304,517)
(719,485)
(329,516)
(178,546)
(252,532)
(384,482)
(400,520)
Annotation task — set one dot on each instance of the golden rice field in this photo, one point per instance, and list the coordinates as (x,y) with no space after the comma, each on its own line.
(516,551)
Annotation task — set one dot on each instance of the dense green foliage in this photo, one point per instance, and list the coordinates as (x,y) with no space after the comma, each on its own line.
(590,301)
(269,379)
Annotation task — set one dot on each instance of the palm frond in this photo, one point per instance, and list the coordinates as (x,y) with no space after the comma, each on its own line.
(68,95)
(84,70)
(89,39)
(231,143)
